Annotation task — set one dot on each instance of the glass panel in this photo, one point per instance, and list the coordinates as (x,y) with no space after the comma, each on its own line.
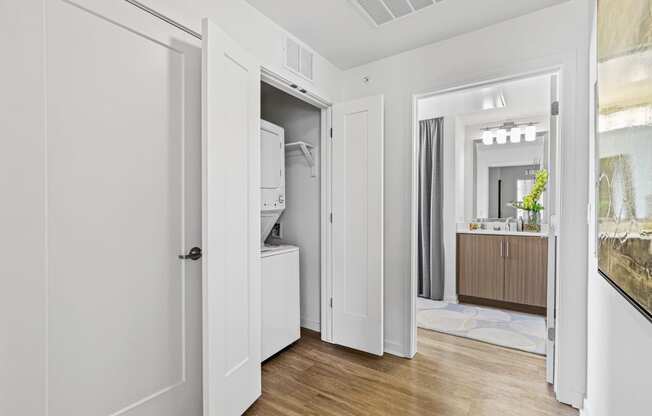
(625,147)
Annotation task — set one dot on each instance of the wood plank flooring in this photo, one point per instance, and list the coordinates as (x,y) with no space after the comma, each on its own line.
(449,376)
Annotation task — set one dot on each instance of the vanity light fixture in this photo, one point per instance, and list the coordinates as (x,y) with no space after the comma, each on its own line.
(530,133)
(515,131)
(501,136)
(487,137)
(515,135)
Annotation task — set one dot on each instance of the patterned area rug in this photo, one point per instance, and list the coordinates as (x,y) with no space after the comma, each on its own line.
(520,331)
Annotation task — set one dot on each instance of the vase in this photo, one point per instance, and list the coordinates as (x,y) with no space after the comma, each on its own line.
(532,221)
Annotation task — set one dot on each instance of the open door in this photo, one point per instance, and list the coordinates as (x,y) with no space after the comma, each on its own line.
(553,202)
(231,225)
(357,229)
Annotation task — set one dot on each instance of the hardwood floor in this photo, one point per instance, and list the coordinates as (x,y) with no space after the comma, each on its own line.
(449,376)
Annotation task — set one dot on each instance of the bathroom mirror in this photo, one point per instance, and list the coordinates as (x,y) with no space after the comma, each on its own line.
(505,173)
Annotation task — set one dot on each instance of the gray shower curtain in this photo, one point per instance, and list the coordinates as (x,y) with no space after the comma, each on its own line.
(430,234)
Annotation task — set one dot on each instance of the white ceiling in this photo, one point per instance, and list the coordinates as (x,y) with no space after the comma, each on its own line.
(341,33)
(523,99)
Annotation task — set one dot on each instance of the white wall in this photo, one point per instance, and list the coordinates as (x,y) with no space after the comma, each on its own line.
(256,33)
(557,36)
(23,289)
(300,222)
(619,337)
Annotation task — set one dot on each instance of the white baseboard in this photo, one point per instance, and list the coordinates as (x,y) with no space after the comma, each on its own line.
(310,324)
(570,397)
(395,348)
(585,411)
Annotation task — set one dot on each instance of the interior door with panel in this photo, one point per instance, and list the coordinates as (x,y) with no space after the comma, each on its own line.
(231,224)
(481,269)
(554,160)
(357,224)
(123,202)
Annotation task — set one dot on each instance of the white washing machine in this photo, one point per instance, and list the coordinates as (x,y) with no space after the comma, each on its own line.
(280,298)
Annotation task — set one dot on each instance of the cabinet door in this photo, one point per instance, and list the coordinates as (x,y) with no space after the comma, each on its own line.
(480,266)
(526,270)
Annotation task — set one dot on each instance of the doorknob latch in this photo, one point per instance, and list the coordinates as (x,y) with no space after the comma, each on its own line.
(193,254)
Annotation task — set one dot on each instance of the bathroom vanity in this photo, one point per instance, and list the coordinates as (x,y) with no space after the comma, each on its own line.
(503,269)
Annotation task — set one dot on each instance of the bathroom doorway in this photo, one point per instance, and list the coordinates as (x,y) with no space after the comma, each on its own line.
(484,266)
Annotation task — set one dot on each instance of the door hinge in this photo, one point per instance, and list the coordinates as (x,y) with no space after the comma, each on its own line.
(551,334)
(331,133)
(554,108)
(330,217)
(330,302)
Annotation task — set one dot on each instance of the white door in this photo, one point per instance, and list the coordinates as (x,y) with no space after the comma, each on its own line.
(553,202)
(231,224)
(357,230)
(123,202)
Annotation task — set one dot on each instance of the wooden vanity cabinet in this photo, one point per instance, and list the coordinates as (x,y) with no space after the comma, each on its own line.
(481,268)
(526,270)
(503,271)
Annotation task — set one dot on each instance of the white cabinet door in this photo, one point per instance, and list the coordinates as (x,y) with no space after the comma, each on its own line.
(123,190)
(281,319)
(231,224)
(357,201)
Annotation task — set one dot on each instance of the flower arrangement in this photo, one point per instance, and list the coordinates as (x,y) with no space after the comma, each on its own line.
(531,201)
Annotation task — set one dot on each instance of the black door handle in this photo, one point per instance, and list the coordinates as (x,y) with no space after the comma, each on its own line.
(193,254)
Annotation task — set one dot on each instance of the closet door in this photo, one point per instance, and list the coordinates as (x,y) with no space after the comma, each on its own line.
(357,229)
(231,225)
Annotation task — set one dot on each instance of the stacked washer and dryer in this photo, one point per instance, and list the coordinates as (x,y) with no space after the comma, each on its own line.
(279,263)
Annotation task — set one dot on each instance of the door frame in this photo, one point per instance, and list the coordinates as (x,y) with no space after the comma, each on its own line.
(274,78)
(570,305)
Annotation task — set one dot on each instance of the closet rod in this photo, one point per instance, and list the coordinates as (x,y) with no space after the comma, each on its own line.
(163,17)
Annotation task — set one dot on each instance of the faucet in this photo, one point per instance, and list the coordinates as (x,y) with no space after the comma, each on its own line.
(508,221)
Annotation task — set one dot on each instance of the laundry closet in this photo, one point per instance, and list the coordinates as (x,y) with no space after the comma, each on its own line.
(290,134)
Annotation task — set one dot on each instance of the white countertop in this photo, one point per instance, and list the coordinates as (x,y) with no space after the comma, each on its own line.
(515,233)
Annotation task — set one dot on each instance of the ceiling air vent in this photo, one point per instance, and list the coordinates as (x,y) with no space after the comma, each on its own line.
(299,59)
(385,11)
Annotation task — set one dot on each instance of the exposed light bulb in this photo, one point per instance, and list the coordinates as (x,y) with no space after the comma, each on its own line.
(501,136)
(487,137)
(515,135)
(530,133)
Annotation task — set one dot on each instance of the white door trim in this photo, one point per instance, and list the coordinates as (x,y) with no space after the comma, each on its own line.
(272,77)
(570,365)
(326,234)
